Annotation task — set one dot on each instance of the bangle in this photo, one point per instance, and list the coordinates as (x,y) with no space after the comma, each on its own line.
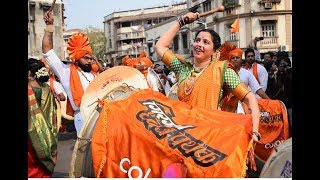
(181,21)
(257,134)
(50,28)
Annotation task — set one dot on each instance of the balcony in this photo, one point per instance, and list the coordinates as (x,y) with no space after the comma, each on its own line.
(269,42)
(130,36)
(124,30)
(124,47)
(234,42)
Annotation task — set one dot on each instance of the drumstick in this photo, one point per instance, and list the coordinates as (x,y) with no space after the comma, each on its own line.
(51,8)
(219,9)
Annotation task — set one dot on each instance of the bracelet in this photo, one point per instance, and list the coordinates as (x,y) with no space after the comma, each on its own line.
(181,21)
(257,134)
(50,28)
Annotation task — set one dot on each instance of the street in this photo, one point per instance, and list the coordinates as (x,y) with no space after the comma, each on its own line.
(66,141)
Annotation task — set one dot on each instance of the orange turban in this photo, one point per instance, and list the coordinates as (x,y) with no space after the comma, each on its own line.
(78,46)
(144,59)
(236,52)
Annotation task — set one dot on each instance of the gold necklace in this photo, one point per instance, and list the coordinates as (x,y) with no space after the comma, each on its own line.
(85,76)
(192,79)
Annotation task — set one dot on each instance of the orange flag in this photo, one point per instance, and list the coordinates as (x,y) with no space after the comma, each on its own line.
(235,26)
(146,133)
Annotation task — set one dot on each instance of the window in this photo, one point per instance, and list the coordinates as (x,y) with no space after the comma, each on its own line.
(176,43)
(125,24)
(206,6)
(185,41)
(110,43)
(268,28)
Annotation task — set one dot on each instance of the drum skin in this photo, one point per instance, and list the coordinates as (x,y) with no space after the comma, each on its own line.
(113,84)
(279,164)
(106,82)
(159,82)
(172,94)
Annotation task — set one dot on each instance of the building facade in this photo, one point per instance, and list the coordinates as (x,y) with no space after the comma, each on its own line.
(125,30)
(36,26)
(270,19)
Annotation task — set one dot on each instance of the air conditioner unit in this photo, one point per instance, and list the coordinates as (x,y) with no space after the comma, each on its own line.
(284,48)
(267,5)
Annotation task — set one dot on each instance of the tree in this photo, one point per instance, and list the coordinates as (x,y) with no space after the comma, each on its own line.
(97,41)
(229,3)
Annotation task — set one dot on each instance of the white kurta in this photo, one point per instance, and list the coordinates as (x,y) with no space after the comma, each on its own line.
(62,71)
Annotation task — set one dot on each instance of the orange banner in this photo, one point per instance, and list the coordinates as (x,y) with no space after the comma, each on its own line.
(142,135)
(273,127)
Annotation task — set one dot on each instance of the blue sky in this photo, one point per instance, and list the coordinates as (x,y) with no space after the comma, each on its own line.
(84,13)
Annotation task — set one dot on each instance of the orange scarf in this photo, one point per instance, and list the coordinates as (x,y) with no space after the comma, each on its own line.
(203,94)
(75,85)
(207,88)
(51,79)
(254,70)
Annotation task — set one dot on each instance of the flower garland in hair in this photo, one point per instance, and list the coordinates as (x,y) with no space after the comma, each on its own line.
(42,72)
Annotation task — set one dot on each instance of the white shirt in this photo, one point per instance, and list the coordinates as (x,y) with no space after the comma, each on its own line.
(262,75)
(173,79)
(248,79)
(62,71)
(152,80)
(57,87)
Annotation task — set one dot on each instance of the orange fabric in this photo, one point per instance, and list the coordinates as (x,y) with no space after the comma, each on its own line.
(273,127)
(235,26)
(230,102)
(78,46)
(254,70)
(69,109)
(95,68)
(75,85)
(45,63)
(237,52)
(225,50)
(210,143)
(51,79)
(142,60)
(35,167)
(207,88)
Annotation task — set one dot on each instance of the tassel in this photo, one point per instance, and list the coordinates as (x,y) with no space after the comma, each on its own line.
(251,156)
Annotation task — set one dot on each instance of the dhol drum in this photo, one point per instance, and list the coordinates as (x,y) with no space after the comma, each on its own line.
(159,82)
(279,164)
(172,94)
(274,130)
(113,84)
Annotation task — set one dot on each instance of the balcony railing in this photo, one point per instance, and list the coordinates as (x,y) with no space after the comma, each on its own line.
(269,41)
(234,42)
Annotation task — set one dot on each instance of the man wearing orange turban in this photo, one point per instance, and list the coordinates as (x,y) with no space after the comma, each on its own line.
(76,77)
(143,64)
(246,77)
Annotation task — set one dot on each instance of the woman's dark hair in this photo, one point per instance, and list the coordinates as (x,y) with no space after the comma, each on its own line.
(34,65)
(215,37)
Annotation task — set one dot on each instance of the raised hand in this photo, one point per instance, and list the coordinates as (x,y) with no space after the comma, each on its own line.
(48,18)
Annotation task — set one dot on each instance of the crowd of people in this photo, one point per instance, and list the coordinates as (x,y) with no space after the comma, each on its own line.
(216,79)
